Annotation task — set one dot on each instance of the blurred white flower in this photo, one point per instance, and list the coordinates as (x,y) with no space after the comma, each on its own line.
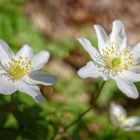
(119,118)
(21,71)
(113,59)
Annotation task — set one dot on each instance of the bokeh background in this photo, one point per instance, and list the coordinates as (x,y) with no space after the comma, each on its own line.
(55,25)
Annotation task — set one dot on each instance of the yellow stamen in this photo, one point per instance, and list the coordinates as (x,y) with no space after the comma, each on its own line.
(19,67)
(120,118)
(117,60)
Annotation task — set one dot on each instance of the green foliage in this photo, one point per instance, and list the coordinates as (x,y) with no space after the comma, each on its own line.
(61,48)
(16,29)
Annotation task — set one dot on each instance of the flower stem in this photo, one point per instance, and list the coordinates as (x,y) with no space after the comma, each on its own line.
(86,111)
(12,110)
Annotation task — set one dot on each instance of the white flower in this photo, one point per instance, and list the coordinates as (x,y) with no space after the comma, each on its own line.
(119,118)
(113,59)
(21,71)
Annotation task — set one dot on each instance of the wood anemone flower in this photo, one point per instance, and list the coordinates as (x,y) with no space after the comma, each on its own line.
(21,71)
(113,59)
(119,118)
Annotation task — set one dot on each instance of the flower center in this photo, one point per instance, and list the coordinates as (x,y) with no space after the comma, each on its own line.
(121,119)
(117,60)
(19,67)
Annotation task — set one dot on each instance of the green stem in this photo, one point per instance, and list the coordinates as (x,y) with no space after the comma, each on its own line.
(12,109)
(86,111)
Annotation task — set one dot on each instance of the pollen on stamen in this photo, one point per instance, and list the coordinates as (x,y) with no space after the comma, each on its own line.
(117,60)
(19,67)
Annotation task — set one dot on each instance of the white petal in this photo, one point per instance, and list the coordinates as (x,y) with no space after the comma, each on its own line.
(94,54)
(132,121)
(37,77)
(89,70)
(102,37)
(117,114)
(135,69)
(25,51)
(118,34)
(5,52)
(7,86)
(128,129)
(132,76)
(135,49)
(136,128)
(33,91)
(127,87)
(40,59)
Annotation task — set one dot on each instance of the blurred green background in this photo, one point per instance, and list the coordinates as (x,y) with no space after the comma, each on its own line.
(46,25)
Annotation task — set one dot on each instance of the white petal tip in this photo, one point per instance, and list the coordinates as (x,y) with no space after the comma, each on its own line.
(135,96)
(96,26)
(118,21)
(26,46)
(81,39)
(39,99)
(80,73)
(47,54)
(118,24)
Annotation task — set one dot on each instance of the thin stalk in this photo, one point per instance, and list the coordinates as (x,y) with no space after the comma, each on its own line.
(86,111)
(12,110)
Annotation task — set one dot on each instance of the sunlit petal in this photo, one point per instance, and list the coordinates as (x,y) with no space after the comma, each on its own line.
(118,34)
(7,86)
(40,59)
(102,37)
(25,51)
(89,70)
(127,87)
(5,52)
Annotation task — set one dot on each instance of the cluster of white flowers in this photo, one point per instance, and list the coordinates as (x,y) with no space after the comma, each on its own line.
(21,71)
(112,60)
(115,60)
(119,117)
